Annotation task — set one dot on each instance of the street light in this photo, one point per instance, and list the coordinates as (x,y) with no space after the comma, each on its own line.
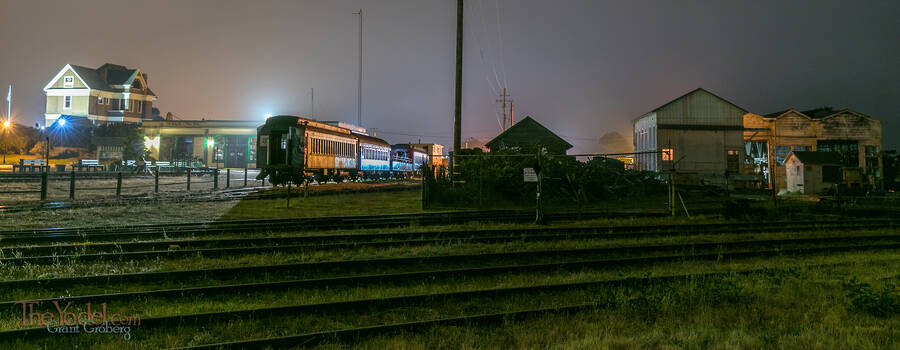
(62,122)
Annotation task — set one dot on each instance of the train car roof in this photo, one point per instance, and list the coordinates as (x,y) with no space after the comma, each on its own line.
(291,120)
(372,140)
(408,147)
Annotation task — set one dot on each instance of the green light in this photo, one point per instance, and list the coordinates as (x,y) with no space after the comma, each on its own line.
(210,142)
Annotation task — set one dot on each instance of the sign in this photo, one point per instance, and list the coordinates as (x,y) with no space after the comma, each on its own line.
(529,175)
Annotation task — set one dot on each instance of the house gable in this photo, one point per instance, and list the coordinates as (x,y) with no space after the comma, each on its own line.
(58,81)
(701,108)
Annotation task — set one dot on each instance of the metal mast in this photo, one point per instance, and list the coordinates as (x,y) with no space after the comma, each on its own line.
(457,113)
(359,80)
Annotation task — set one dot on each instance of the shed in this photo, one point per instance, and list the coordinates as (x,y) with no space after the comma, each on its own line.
(528,135)
(812,172)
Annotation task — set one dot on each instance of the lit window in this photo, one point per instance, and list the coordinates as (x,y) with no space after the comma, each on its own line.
(69,81)
(68,102)
(667,154)
(99,100)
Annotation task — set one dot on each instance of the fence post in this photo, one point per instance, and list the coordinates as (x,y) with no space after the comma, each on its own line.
(72,185)
(118,184)
(216,179)
(156,180)
(245,177)
(44,186)
(189,179)
(227,178)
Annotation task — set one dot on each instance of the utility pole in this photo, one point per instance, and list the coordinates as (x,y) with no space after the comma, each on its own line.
(312,103)
(457,113)
(504,100)
(359,80)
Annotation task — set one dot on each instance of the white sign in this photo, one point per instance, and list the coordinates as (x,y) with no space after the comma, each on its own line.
(529,174)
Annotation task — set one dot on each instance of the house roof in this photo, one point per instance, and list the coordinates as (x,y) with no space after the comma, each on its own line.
(121,77)
(691,92)
(115,75)
(808,157)
(527,132)
(817,113)
(90,77)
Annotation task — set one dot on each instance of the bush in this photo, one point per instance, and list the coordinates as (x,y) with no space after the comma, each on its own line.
(497,178)
(883,302)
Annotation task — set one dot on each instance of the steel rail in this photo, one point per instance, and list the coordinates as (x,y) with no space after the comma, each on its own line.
(366,304)
(447,273)
(216,252)
(202,229)
(357,264)
(426,237)
(261,224)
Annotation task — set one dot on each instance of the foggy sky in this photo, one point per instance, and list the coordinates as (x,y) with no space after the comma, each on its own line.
(582,68)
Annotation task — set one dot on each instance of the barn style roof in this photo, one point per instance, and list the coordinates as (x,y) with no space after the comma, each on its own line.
(527,134)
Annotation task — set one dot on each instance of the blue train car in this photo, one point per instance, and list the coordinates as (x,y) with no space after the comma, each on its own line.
(374,156)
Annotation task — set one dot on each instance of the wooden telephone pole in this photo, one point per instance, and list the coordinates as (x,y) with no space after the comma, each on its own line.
(457,111)
(504,99)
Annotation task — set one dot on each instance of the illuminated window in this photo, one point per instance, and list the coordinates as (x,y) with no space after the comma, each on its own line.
(68,102)
(68,81)
(667,154)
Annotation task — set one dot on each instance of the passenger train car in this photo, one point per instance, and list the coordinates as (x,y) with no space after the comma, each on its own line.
(295,144)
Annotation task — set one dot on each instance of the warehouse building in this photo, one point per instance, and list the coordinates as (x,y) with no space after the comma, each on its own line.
(854,136)
(697,137)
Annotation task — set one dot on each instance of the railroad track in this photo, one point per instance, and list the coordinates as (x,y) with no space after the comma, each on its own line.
(428,275)
(236,251)
(144,232)
(401,301)
(344,241)
(585,254)
(299,224)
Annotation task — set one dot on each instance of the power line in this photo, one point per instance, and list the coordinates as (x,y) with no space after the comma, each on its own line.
(500,39)
(410,134)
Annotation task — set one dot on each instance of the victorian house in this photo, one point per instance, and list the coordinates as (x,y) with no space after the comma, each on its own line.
(108,94)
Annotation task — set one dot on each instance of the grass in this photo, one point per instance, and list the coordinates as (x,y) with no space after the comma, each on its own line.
(760,310)
(791,304)
(71,267)
(373,203)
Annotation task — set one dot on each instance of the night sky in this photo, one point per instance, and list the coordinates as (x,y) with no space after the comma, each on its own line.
(582,68)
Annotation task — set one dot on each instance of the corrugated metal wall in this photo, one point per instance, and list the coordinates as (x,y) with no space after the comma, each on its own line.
(700,108)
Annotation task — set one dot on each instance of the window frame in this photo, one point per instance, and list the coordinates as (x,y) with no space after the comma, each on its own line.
(67,102)
(666,154)
(68,81)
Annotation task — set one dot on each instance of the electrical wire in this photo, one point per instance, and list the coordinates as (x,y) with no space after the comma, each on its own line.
(500,39)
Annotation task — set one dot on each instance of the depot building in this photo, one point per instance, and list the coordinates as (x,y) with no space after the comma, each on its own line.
(214,143)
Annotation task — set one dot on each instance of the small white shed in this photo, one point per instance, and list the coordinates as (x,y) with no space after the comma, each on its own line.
(812,172)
